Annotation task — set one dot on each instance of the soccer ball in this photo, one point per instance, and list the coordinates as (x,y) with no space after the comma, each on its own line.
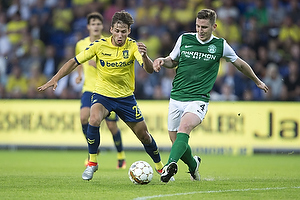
(140,172)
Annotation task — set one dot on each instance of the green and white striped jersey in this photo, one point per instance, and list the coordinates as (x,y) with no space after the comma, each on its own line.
(198,65)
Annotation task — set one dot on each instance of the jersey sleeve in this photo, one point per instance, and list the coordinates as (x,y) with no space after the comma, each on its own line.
(176,50)
(88,53)
(77,48)
(138,55)
(228,53)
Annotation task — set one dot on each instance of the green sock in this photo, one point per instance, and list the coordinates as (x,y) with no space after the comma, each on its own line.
(188,159)
(179,147)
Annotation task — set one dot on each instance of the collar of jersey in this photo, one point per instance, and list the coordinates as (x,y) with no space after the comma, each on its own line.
(211,37)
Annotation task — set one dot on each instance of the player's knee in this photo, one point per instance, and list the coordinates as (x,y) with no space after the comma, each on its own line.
(94,121)
(84,119)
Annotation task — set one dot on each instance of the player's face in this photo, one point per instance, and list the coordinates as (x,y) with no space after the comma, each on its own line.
(95,27)
(204,29)
(119,33)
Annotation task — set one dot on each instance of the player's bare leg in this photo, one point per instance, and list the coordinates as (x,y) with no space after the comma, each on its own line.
(141,131)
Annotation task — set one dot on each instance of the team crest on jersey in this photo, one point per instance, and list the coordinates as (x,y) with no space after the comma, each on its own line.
(125,54)
(212,48)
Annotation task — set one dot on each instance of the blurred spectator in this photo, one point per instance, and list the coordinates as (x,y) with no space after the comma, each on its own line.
(16,27)
(274,54)
(234,80)
(36,79)
(131,8)
(202,5)
(276,14)
(62,17)
(66,86)
(142,13)
(35,55)
(225,95)
(42,10)
(116,6)
(166,83)
(19,6)
(295,53)
(229,29)
(263,56)
(50,3)
(289,32)
(79,22)
(166,44)
(50,62)
(248,54)
(5,48)
(259,12)
(16,87)
(161,9)
(140,84)
(274,81)
(294,11)
(228,10)
(291,87)
(151,41)
(183,14)
(34,27)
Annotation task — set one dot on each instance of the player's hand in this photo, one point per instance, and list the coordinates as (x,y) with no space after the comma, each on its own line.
(263,86)
(78,79)
(142,48)
(50,83)
(157,64)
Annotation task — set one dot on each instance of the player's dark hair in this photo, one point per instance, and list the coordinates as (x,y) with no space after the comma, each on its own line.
(94,15)
(209,14)
(123,18)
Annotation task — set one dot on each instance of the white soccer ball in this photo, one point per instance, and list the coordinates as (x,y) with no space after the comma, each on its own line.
(140,172)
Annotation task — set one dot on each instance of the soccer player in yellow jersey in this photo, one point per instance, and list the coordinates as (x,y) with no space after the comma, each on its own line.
(114,89)
(89,69)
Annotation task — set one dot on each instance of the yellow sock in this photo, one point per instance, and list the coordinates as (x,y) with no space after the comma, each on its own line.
(93,158)
(121,155)
(159,165)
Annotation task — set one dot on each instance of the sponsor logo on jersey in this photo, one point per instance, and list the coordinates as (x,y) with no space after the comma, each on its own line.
(188,46)
(198,55)
(116,64)
(212,48)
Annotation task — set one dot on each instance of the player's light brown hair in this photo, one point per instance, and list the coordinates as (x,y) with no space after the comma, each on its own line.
(94,15)
(123,18)
(209,14)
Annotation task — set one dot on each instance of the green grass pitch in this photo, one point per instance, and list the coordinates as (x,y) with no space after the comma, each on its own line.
(50,174)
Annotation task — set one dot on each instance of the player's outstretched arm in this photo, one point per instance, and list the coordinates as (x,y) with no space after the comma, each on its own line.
(79,77)
(66,69)
(165,62)
(242,66)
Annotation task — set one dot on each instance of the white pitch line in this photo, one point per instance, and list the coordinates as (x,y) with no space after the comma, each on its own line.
(214,191)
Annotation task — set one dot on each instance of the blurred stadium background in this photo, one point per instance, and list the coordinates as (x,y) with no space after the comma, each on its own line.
(38,36)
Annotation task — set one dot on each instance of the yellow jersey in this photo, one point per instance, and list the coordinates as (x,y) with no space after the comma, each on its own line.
(89,71)
(115,66)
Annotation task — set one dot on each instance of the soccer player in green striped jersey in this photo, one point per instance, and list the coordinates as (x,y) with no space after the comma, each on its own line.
(197,57)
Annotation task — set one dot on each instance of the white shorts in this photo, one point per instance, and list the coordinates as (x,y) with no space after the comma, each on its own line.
(178,108)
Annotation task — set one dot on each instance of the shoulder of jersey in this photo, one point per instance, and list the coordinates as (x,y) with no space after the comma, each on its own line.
(131,40)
